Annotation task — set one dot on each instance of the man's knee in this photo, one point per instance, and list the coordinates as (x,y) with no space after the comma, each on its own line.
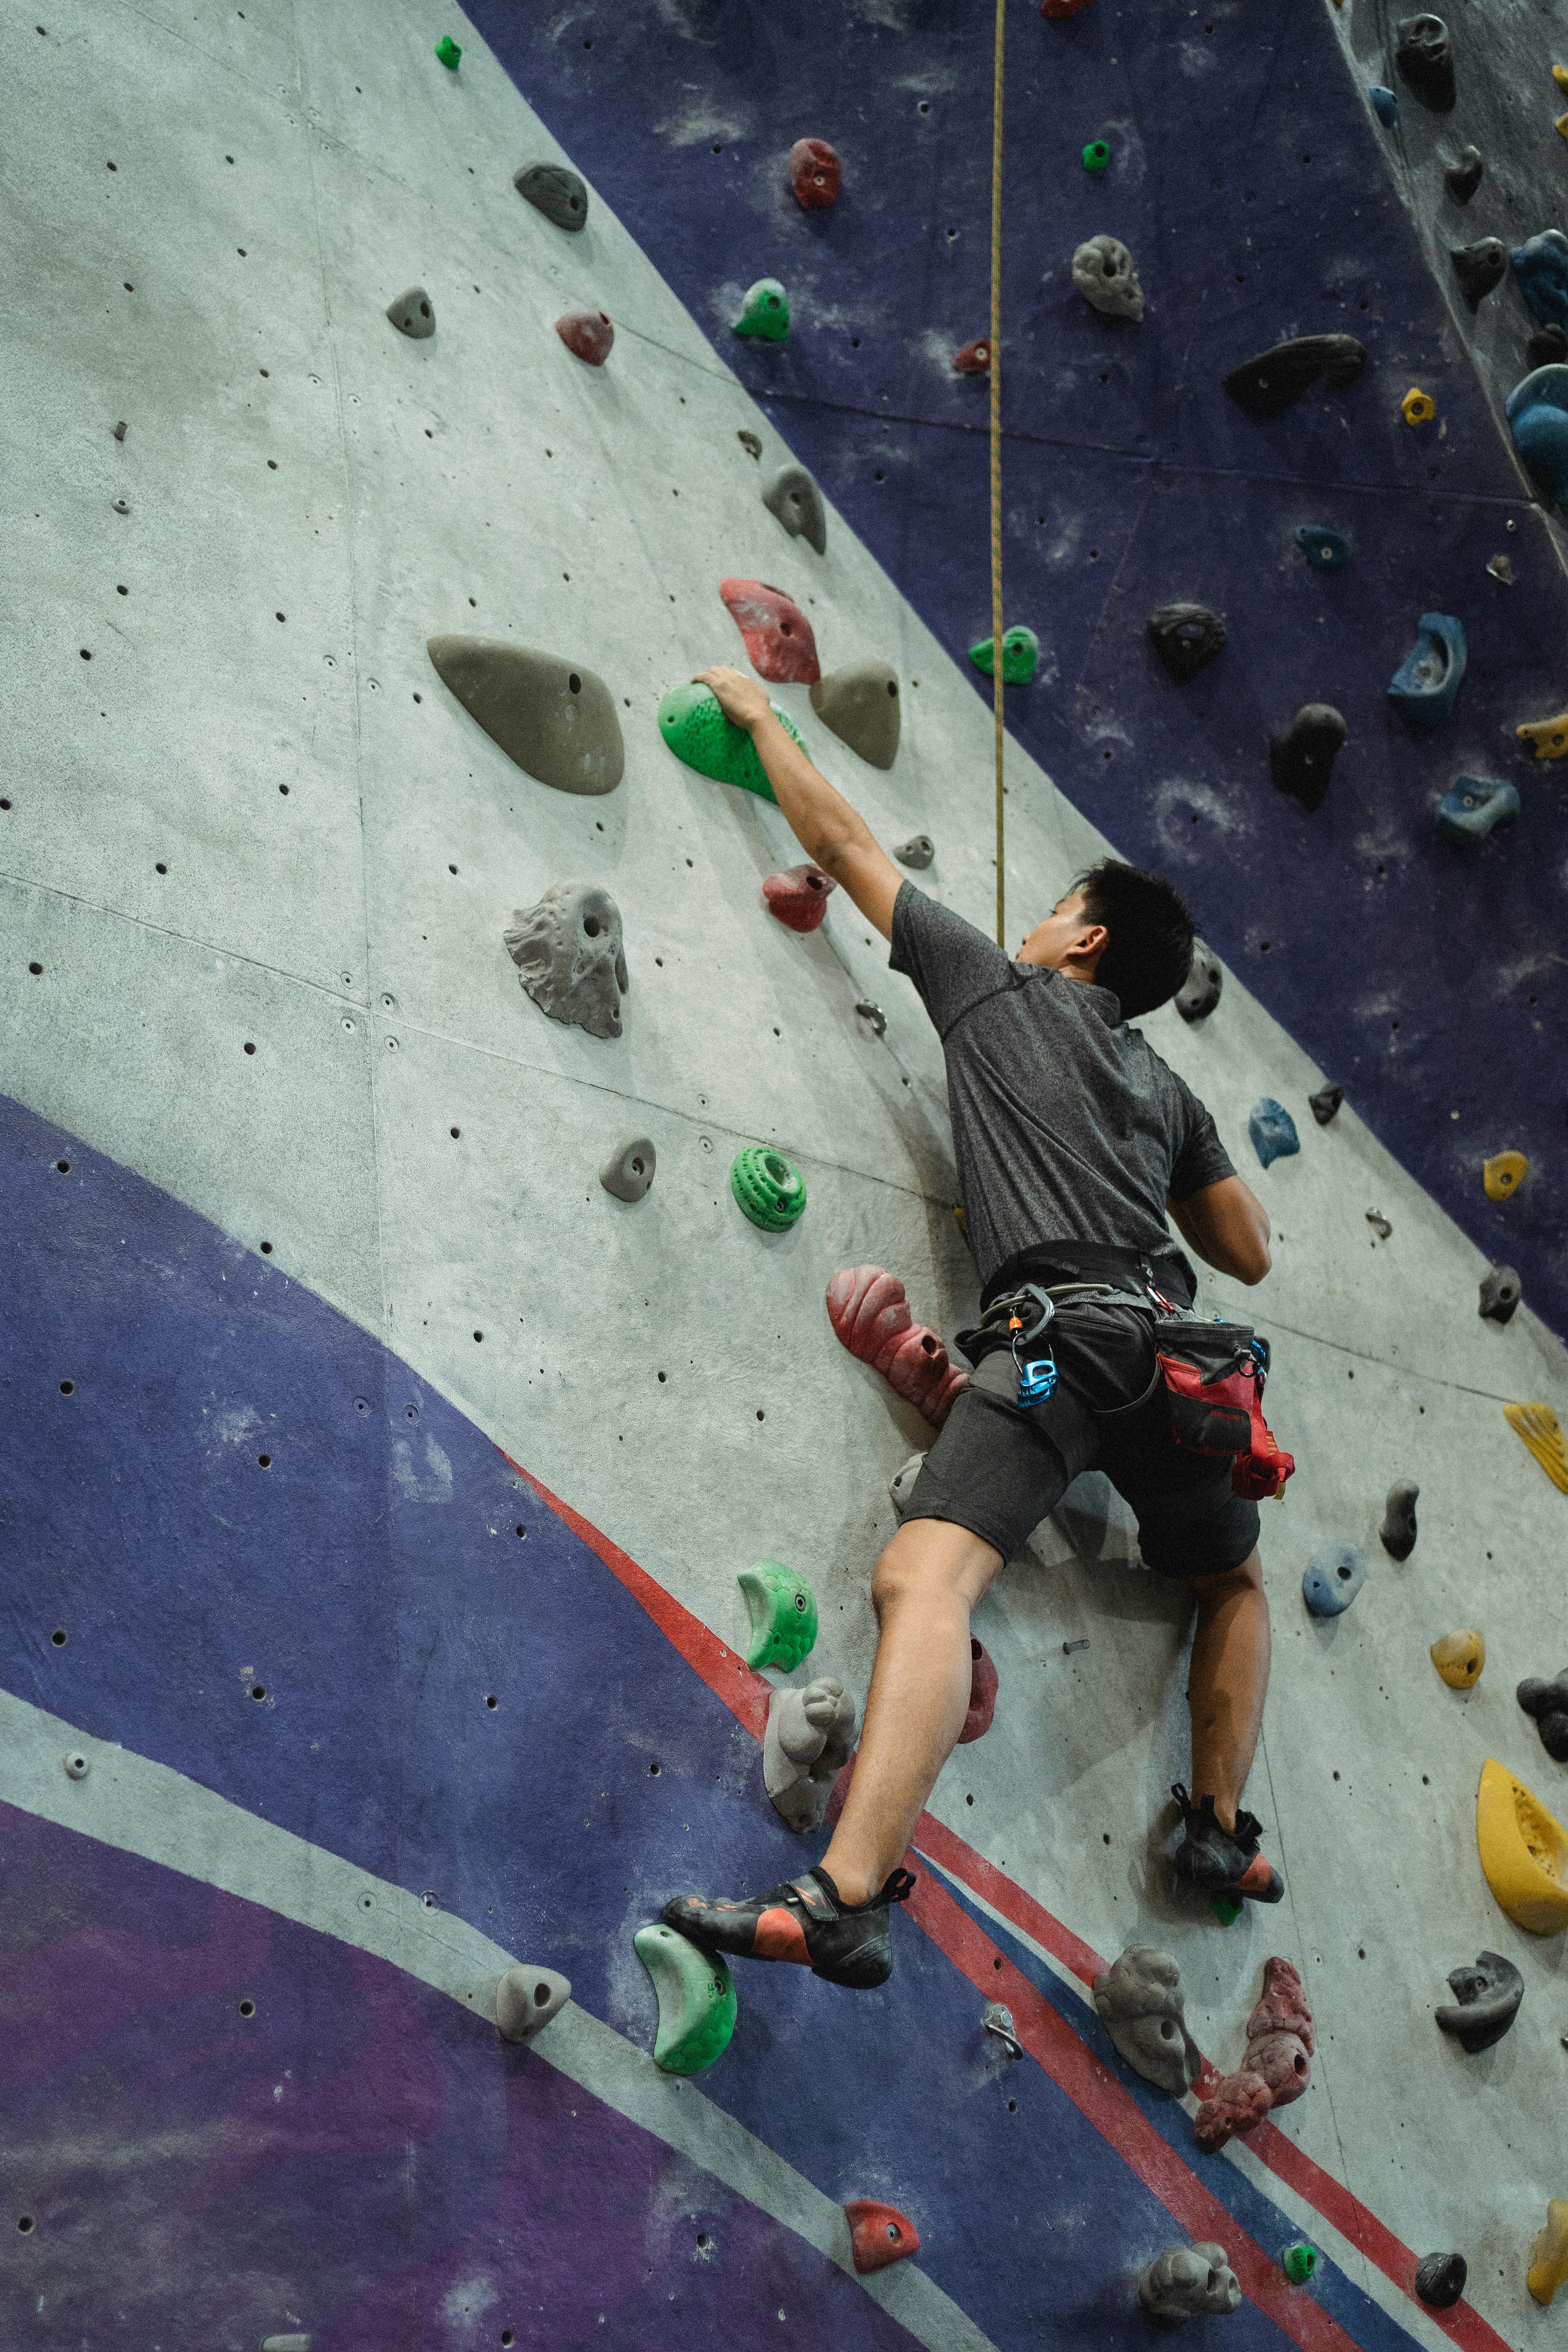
(932,1561)
(1247,1578)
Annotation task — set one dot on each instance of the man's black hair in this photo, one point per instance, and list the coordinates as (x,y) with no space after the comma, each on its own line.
(1149,947)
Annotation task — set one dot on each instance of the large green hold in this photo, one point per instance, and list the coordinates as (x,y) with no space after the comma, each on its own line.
(1020,656)
(764,311)
(782,1608)
(696,732)
(696,2001)
(767,1189)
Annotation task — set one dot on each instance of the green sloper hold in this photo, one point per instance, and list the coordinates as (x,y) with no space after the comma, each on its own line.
(781,1607)
(554,717)
(696,2001)
(696,732)
(767,1189)
(764,311)
(1020,656)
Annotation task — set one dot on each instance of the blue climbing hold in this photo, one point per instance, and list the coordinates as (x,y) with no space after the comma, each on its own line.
(1385,105)
(1537,411)
(1333,1577)
(1325,549)
(1541,265)
(1273,1131)
(1475,809)
(1428,680)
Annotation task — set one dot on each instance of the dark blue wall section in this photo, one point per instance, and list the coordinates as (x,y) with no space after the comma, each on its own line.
(1248,179)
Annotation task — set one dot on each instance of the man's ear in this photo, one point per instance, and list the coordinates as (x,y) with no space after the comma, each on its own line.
(1091,942)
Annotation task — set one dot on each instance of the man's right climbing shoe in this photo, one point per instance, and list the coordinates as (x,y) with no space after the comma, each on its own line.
(1224,1861)
(805,1920)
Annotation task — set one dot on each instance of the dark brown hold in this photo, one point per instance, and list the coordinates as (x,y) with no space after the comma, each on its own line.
(1302,756)
(1186,638)
(975,359)
(1273,381)
(1440,2279)
(1479,268)
(1325,1102)
(1424,57)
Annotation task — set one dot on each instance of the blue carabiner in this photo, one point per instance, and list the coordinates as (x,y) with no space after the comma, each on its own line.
(1037,1380)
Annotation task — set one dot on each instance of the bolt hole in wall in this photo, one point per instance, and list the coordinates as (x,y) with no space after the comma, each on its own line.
(248,2008)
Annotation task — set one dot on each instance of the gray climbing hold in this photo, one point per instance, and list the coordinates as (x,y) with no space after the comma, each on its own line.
(917,852)
(554,717)
(1425,686)
(1104,274)
(1265,386)
(1424,56)
(1440,2279)
(629,1167)
(1186,638)
(1333,1577)
(1140,2001)
(1474,809)
(1302,756)
(1500,569)
(860,703)
(1479,268)
(1189,2283)
(794,496)
(752,442)
(570,956)
(1379,1224)
(997,2019)
(1398,1533)
(1272,1130)
(1501,1291)
(526,2001)
(413,314)
(1325,1102)
(1199,992)
(76,1765)
(873,1016)
(1463,177)
(1486,2001)
(902,1485)
(555,191)
(809,1736)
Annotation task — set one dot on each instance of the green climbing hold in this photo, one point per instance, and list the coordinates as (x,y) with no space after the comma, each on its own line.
(769,1191)
(449,52)
(1226,1909)
(764,311)
(696,2001)
(1096,155)
(696,732)
(1298,2262)
(1020,656)
(781,1607)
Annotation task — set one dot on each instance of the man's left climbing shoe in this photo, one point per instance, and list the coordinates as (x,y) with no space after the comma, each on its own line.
(806,1920)
(1224,1861)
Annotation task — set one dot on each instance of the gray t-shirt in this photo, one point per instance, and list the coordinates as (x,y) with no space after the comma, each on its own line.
(1066,1125)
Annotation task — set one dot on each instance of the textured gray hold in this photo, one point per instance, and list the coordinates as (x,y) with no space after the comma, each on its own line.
(860,703)
(554,717)
(794,496)
(808,1741)
(570,957)
(1103,272)
(1139,1999)
(555,191)
(1199,992)
(917,852)
(752,442)
(413,314)
(1189,2283)
(1486,2001)
(628,1169)
(1501,1291)
(902,1485)
(1398,1533)
(526,2001)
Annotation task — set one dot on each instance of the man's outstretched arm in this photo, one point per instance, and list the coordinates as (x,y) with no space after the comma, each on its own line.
(1227,1224)
(827,827)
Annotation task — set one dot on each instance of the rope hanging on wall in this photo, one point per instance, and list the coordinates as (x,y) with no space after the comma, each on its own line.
(997,465)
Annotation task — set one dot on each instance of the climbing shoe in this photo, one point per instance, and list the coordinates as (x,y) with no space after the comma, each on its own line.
(1224,1861)
(805,1920)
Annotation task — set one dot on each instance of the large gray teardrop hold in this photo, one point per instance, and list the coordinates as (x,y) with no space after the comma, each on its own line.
(571,957)
(630,1166)
(413,314)
(1139,1999)
(554,717)
(1501,1291)
(794,496)
(526,2001)
(860,703)
(555,191)
(917,852)
(1199,992)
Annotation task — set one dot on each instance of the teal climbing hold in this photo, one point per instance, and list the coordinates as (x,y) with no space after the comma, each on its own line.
(781,1607)
(764,311)
(696,2001)
(1325,549)
(1427,681)
(1272,1130)
(449,52)
(769,1192)
(1384,104)
(1020,656)
(1096,155)
(696,732)
(1474,809)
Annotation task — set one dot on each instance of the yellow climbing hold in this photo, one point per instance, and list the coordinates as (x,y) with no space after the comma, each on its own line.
(1549,2263)
(1550,736)
(1523,1851)
(1542,1432)
(1560,76)
(1503,1173)
(1459,1657)
(1418,407)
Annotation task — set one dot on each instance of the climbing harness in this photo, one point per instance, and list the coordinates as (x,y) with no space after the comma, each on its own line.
(996,680)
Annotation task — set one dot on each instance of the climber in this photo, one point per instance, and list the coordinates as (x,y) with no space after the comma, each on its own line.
(1073,1142)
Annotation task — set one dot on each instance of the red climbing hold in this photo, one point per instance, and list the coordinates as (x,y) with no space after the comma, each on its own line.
(816,174)
(779,643)
(870,1314)
(983,1679)
(975,359)
(1061,7)
(588,333)
(798,896)
(1238,2103)
(879,2234)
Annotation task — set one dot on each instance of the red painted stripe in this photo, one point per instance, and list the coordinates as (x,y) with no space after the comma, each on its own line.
(982,1877)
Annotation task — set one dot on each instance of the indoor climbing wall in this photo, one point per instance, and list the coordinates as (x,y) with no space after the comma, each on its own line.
(380,1474)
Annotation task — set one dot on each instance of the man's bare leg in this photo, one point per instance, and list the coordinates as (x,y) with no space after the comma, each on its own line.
(924,1586)
(1227,1682)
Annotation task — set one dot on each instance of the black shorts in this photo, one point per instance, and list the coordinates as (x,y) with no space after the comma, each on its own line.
(999,1469)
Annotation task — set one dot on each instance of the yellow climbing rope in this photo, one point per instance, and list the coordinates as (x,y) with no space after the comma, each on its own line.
(997,465)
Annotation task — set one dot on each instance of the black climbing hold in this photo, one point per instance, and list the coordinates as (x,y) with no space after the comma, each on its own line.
(1398,1533)
(1185,638)
(917,852)
(412,314)
(1325,1102)
(555,191)
(1501,1291)
(752,442)
(794,496)
(554,717)
(1547,1703)
(1479,268)
(1199,992)
(1302,756)
(1440,2279)
(1487,1999)
(1424,58)
(1548,347)
(1265,386)
(1461,180)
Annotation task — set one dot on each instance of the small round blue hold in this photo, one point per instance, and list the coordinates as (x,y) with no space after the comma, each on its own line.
(1537,411)
(1385,105)
(1333,1577)
(1325,549)
(1475,809)
(1273,1131)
